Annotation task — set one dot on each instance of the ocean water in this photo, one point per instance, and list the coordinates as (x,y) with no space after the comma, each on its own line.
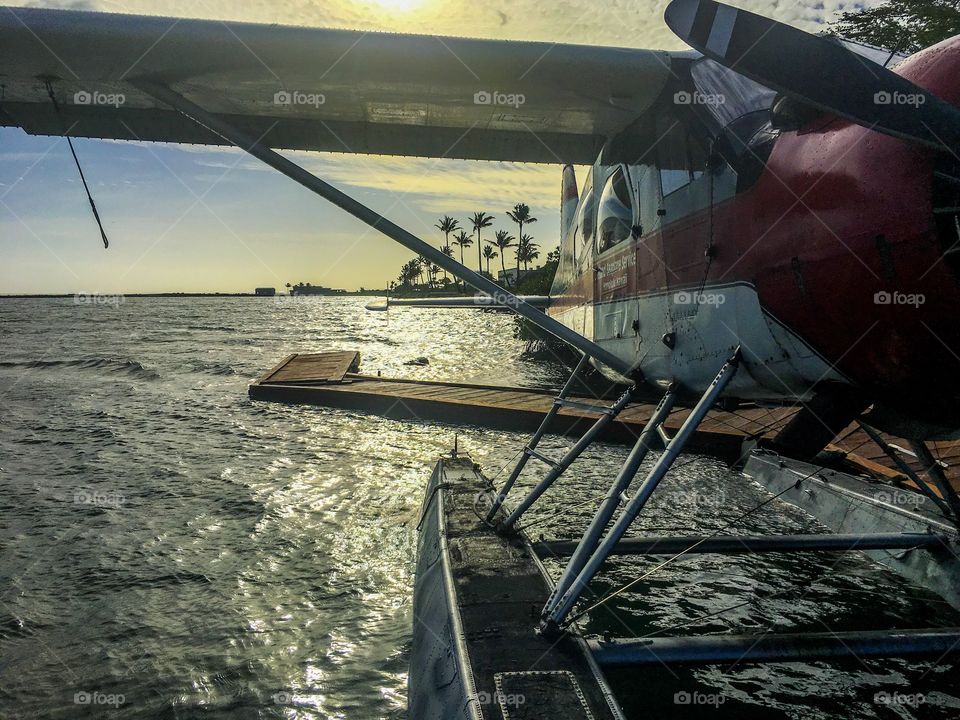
(171,549)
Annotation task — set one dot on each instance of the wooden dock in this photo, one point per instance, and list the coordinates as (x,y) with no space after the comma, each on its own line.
(332,380)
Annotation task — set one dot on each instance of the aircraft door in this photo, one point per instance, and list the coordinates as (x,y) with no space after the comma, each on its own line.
(651,309)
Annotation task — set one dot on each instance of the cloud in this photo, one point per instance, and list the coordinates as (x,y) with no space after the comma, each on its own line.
(444,186)
(622,23)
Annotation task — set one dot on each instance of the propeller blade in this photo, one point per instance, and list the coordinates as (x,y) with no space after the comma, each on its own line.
(816,71)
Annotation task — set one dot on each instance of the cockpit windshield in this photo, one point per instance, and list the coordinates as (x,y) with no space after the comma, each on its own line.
(735,96)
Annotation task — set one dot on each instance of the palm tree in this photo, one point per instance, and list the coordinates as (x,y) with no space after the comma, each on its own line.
(521,216)
(479,221)
(503,241)
(489,254)
(447,225)
(527,252)
(408,273)
(464,241)
(448,251)
(425,265)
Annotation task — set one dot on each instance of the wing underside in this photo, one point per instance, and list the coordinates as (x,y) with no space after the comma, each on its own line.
(327,90)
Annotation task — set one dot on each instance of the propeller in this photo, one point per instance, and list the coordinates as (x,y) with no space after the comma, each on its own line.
(816,71)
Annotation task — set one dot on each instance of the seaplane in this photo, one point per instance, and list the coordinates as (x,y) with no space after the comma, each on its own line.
(770,216)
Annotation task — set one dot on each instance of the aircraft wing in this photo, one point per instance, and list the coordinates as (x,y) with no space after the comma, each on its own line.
(315,89)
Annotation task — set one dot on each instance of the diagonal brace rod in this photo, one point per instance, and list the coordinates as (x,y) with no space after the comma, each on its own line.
(572,454)
(555,614)
(904,467)
(498,295)
(591,537)
(535,440)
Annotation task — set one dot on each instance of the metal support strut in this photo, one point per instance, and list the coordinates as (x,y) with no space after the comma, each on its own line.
(531,447)
(559,606)
(560,466)
(935,473)
(891,453)
(609,505)
(498,295)
(712,649)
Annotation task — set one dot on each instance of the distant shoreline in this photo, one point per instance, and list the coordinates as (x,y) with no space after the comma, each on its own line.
(365,293)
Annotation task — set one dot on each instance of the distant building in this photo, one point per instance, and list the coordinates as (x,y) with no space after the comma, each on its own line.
(508,275)
(265,292)
(308,289)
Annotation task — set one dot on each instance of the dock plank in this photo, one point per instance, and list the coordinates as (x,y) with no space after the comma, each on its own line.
(331,379)
(320,367)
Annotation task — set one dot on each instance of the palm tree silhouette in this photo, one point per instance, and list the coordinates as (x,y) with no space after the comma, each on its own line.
(489,254)
(447,225)
(503,241)
(463,240)
(479,221)
(426,266)
(527,252)
(521,216)
(448,251)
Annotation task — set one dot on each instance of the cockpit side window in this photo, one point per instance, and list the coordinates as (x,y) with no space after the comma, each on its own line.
(583,235)
(615,212)
(585,220)
(680,158)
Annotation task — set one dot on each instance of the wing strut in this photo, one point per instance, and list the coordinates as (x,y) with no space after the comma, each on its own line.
(360,211)
(76,160)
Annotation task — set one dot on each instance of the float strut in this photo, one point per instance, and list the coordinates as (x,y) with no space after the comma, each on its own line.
(785,647)
(904,467)
(572,454)
(535,440)
(556,611)
(935,472)
(591,537)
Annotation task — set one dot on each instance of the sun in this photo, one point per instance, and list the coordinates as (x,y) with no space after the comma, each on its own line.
(399,5)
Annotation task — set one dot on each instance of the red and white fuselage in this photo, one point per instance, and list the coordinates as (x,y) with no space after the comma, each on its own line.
(833,266)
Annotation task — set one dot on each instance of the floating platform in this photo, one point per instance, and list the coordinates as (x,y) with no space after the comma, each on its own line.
(332,380)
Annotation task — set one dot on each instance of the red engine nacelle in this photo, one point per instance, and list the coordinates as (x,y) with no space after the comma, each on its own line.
(845,247)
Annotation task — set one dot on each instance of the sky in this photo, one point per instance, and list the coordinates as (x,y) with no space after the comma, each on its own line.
(196,219)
